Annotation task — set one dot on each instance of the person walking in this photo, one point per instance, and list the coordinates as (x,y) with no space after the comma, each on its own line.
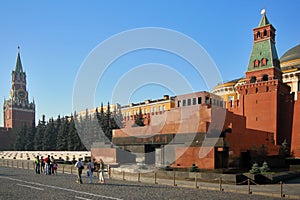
(80,166)
(101,172)
(37,165)
(90,170)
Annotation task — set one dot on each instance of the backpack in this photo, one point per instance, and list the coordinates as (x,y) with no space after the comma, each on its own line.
(79,165)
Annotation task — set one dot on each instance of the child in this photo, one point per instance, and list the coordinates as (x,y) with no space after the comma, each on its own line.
(55,165)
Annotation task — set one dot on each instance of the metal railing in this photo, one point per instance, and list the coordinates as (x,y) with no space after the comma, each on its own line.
(281,189)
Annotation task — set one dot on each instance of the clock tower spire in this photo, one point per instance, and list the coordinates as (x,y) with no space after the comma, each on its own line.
(18,110)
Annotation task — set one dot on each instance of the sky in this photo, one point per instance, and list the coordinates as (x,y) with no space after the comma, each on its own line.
(57,39)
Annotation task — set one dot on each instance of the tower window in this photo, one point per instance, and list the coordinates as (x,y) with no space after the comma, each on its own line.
(265,77)
(265,33)
(258,35)
(253,79)
(256,63)
(264,62)
(184,103)
(256,90)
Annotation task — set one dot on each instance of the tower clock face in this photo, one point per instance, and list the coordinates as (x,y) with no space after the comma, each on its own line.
(21,94)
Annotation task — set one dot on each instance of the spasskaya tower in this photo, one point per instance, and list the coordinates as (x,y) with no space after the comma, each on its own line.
(17,110)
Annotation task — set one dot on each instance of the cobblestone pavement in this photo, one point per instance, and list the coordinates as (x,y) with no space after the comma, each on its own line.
(16,183)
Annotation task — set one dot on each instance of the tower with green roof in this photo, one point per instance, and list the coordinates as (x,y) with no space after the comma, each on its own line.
(264,100)
(17,110)
(264,63)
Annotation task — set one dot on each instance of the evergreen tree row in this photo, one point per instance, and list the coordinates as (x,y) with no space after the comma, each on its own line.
(108,121)
(59,135)
(62,134)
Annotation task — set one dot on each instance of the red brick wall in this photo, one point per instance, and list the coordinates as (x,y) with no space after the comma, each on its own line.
(7,117)
(261,110)
(22,117)
(177,120)
(295,146)
(7,138)
(16,117)
(267,106)
(242,139)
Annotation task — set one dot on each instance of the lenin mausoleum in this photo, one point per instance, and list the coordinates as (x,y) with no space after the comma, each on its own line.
(210,129)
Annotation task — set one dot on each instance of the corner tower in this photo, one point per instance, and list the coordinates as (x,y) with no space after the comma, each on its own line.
(17,110)
(266,101)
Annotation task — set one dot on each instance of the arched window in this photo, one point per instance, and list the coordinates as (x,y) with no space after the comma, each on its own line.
(256,63)
(265,33)
(253,79)
(264,61)
(265,77)
(258,35)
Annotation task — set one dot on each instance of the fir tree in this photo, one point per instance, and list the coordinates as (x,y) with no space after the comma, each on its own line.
(265,167)
(254,169)
(20,140)
(74,142)
(62,142)
(102,125)
(194,168)
(108,129)
(117,120)
(30,133)
(39,136)
(57,126)
(284,150)
(139,120)
(71,135)
(49,140)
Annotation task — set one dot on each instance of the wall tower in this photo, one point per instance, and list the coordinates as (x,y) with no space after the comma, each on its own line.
(17,110)
(266,101)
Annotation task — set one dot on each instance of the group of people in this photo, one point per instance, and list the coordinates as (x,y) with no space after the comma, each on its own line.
(92,166)
(47,166)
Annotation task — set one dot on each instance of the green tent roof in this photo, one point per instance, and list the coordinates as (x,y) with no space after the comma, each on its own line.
(18,67)
(264,21)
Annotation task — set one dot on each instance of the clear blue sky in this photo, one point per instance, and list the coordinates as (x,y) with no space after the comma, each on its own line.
(56,36)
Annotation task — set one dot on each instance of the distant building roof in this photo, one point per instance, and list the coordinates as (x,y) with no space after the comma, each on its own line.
(291,54)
